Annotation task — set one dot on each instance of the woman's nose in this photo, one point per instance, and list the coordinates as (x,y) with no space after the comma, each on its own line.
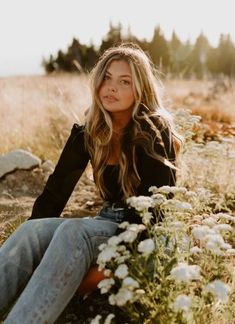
(112,87)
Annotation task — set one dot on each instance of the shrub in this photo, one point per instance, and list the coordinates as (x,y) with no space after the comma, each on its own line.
(176,271)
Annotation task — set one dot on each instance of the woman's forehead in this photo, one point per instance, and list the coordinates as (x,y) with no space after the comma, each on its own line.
(120,67)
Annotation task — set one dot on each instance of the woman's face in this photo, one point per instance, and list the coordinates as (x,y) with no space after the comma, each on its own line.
(116,92)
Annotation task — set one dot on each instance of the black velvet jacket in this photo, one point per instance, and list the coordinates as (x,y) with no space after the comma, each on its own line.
(73,161)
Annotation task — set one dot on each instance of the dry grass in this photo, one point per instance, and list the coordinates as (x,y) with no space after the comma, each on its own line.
(214,100)
(37,112)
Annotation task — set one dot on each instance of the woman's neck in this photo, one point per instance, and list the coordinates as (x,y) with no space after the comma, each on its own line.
(120,122)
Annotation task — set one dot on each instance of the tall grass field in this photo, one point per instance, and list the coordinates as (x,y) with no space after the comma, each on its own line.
(179,271)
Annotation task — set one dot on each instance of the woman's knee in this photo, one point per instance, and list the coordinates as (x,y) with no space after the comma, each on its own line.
(77,231)
(88,227)
(42,229)
(27,226)
(30,226)
(71,226)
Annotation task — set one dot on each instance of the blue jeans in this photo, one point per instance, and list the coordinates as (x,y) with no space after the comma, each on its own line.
(44,261)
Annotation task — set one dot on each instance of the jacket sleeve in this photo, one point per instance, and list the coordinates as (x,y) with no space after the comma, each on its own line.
(154,172)
(61,182)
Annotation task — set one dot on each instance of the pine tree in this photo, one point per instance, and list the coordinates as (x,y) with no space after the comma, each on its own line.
(113,37)
(176,54)
(159,50)
(226,56)
(199,56)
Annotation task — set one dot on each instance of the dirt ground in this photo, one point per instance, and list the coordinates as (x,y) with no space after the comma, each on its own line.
(19,190)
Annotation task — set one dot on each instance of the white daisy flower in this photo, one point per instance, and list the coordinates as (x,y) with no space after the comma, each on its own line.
(140,203)
(105,285)
(122,297)
(130,283)
(146,247)
(182,303)
(219,289)
(109,319)
(195,249)
(185,272)
(96,320)
(121,271)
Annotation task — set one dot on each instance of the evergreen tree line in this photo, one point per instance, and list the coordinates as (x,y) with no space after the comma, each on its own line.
(179,59)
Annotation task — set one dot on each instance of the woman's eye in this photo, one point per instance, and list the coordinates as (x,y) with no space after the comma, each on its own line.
(106,77)
(125,82)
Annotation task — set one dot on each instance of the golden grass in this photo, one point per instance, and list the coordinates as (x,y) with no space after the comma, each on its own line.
(214,100)
(37,112)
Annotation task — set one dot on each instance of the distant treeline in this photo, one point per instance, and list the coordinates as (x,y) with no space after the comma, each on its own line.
(179,59)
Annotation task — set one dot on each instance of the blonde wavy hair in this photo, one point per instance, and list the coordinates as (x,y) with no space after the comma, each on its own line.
(149,119)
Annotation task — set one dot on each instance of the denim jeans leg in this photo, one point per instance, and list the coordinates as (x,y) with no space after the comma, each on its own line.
(20,255)
(73,248)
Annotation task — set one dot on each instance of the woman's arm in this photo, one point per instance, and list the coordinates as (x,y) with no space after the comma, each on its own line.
(61,182)
(154,172)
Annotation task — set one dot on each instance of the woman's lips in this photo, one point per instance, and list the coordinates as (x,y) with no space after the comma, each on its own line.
(110,98)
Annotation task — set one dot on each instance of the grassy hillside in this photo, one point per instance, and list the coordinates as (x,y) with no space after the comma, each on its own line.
(36,113)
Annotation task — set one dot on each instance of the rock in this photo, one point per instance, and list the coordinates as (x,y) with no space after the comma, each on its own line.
(17,159)
(48,166)
(90,203)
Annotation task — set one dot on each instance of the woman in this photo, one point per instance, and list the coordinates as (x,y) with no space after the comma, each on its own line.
(130,141)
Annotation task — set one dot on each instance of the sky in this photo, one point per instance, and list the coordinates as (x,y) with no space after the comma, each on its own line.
(33,29)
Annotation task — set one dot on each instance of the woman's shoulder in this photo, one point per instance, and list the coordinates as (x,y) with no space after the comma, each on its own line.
(77,131)
(77,128)
(77,134)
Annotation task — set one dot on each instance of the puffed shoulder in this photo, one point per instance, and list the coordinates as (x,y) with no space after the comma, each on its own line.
(77,132)
(77,128)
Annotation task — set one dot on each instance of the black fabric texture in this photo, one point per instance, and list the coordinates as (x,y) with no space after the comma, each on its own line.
(73,161)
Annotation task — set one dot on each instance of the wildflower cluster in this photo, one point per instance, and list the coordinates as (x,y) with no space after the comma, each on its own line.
(177,270)
(209,165)
(186,122)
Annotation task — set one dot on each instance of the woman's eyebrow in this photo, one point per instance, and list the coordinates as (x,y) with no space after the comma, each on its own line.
(120,76)
(125,75)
